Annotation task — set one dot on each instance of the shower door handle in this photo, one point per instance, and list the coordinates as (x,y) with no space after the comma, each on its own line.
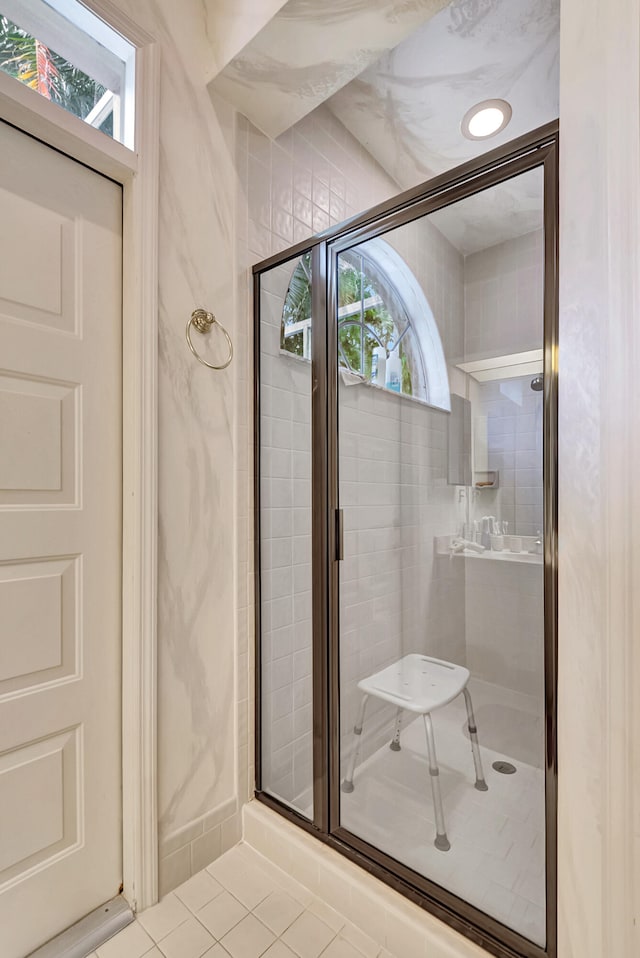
(339,535)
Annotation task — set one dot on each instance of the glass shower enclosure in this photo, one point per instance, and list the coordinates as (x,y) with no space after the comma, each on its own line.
(405,482)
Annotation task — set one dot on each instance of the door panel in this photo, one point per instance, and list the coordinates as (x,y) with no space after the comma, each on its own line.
(60,541)
(37,441)
(442,628)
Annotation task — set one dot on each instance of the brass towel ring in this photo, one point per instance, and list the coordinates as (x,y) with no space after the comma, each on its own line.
(203,320)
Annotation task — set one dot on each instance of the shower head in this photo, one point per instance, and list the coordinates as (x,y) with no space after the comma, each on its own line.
(537,384)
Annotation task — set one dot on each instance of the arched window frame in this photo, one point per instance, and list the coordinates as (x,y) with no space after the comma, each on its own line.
(432,382)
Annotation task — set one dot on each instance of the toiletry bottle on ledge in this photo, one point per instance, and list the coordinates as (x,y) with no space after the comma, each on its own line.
(379,366)
(393,378)
(486,532)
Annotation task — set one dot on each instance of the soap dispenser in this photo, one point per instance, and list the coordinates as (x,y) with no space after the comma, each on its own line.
(486,532)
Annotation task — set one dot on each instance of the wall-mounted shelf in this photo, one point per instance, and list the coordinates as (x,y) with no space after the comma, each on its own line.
(497,368)
(442,547)
(486,480)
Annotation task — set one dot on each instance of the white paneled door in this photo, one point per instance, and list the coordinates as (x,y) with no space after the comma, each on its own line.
(60,541)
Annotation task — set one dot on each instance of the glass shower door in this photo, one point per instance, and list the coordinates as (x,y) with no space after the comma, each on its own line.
(284,482)
(440,393)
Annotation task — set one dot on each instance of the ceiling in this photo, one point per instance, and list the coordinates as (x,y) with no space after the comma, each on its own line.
(400,75)
(501,213)
(406,109)
(310,49)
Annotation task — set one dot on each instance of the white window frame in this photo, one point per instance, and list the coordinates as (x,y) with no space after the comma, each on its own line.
(137,171)
(390,263)
(433,377)
(304,326)
(87,41)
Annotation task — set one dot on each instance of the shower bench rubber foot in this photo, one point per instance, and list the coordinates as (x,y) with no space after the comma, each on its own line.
(442,843)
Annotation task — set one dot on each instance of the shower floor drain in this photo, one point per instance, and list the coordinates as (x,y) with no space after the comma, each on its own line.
(505,768)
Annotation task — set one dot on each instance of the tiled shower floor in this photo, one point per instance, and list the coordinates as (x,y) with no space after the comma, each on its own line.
(241,906)
(496,859)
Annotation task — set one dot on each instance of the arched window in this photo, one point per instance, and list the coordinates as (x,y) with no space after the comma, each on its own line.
(374,315)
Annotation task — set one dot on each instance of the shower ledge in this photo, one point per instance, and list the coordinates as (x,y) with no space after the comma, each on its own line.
(504,556)
(443,548)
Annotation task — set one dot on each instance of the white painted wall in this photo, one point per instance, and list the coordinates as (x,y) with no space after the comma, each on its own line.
(503,289)
(599,464)
(200,731)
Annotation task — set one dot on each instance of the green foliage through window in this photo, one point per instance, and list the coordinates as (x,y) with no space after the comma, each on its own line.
(27,59)
(296,315)
(370,314)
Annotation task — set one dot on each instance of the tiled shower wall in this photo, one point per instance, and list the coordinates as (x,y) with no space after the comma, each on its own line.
(505,627)
(503,290)
(511,413)
(504,287)
(313,176)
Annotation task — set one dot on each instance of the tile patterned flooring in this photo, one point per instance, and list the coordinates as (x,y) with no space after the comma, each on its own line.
(241,906)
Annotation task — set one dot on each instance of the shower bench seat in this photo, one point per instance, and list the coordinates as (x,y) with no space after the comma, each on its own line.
(420,684)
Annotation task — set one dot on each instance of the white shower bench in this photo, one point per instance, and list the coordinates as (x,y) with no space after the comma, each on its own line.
(420,684)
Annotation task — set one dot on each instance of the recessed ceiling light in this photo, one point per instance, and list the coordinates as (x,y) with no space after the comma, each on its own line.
(486,119)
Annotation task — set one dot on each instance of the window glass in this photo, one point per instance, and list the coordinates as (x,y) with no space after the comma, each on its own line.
(441,574)
(285,535)
(296,313)
(69,56)
(27,59)
(377,340)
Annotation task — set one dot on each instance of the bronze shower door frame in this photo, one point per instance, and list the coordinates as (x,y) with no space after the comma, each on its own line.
(537,149)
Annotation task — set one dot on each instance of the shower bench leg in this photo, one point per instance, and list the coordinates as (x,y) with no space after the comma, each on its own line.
(441,841)
(481,785)
(395,744)
(347,785)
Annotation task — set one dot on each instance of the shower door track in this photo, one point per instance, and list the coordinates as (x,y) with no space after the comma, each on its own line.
(536,149)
